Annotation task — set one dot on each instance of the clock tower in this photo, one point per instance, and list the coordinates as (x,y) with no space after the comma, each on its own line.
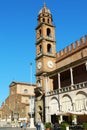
(45,42)
(45,48)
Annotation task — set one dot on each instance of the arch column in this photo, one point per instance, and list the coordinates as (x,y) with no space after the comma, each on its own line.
(61,119)
(71,76)
(59,86)
(59,83)
(47,89)
(73,106)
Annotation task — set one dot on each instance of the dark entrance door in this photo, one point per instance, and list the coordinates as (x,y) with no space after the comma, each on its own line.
(65,119)
(54,118)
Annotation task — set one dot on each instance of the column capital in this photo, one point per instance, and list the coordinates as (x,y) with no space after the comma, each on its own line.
(71,69)
(86,65)
(86,62)
(58,74)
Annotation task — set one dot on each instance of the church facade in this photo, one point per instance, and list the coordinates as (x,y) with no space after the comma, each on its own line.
(61,87)
(16,106)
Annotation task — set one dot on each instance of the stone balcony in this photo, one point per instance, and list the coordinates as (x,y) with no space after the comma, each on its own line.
(68,88)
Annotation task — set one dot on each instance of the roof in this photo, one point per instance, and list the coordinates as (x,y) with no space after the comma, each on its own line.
(22,83)
(44,10)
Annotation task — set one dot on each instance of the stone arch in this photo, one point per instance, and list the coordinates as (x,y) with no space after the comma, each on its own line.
(82,92)
(66,103)
(48,32)
(49,48)
(81,101)
(43,19)
(53,105)
(48,20)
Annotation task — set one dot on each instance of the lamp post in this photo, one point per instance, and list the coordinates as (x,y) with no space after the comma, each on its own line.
(31,102)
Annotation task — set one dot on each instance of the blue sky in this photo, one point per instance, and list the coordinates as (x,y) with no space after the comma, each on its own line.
(18,20)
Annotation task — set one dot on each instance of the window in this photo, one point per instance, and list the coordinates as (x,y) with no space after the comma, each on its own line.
(40,48)
(25,91)
(43,19)
(48,20)
(49,48)
(48,32)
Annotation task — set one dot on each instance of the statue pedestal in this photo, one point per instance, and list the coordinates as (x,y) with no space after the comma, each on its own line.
(32,123)
(67,128)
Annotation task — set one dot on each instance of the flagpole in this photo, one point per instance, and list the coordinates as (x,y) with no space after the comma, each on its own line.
(31,84)
(31,118)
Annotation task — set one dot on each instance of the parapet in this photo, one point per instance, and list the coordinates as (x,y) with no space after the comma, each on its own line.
(76,46)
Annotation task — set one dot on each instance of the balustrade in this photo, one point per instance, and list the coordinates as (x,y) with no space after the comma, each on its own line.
(68,88)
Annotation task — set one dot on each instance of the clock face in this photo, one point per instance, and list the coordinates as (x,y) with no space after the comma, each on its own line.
(39,65)
(50,64)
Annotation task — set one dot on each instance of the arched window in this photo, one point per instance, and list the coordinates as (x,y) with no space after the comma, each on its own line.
(48,32)
(40,49)
(80,101)
(49,48)
(66,103)
(25,91)
(53,106)
(48,20)
(43,19)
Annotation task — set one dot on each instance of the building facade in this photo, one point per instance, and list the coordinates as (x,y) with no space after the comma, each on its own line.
(17,104)
(61,87)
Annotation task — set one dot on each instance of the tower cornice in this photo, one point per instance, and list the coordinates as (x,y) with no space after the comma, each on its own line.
(47,55)
(51,25)
(46,39)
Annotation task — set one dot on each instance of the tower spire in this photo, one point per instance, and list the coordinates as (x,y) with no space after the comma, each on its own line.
(44,4)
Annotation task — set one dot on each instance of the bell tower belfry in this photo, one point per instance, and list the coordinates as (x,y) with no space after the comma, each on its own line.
(45,42)
(45,52)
